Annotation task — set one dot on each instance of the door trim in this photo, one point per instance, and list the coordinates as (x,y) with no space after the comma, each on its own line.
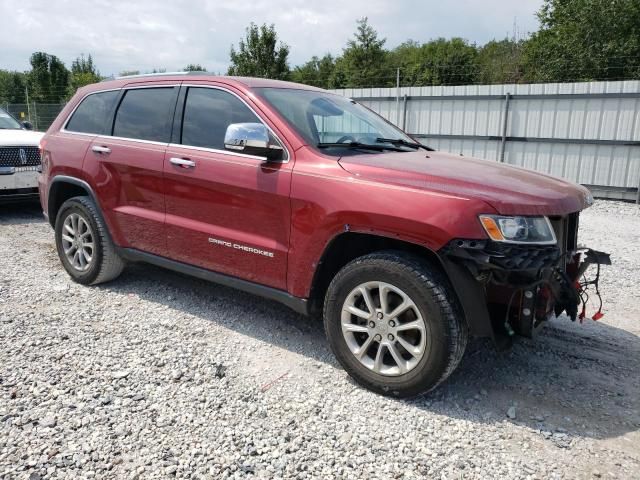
(299,305)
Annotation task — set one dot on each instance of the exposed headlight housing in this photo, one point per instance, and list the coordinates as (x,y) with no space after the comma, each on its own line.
(516,229)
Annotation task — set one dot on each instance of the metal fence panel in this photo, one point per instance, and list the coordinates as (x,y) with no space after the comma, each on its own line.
(41,115)
(586,132)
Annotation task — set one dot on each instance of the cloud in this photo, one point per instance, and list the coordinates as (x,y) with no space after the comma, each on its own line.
(148,34)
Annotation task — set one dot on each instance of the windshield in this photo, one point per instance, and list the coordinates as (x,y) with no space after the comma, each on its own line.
(8,122)
(336,123)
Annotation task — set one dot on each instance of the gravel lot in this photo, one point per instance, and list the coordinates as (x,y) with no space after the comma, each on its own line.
(157,375)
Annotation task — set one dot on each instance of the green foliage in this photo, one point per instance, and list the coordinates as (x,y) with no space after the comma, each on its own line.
(260,55)
(126,73)
(12,87)
(500,61)
(362,63)
(317,72)
(194,67)
(585,40)
(48,80)
(438,62)
(83,72)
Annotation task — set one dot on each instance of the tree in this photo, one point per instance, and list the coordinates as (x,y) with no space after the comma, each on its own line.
(194,67)
(363,61)
(12,87)
(438,62)
(260,54)
(448,62)
(500,61)
(48,80)
(127,73)
(583,40)
(83,72)
(316,72)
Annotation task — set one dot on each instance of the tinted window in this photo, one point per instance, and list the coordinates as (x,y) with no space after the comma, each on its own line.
(92,115)
(208,113)
(145,114)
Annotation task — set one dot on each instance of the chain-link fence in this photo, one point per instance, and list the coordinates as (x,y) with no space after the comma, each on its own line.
(41,115)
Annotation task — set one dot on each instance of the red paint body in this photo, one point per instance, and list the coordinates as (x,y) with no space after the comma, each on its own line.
(293,209)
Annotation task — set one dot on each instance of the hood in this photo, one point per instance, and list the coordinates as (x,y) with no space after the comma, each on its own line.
(510,190)
(19,138)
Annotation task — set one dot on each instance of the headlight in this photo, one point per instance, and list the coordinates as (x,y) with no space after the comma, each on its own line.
(535,230)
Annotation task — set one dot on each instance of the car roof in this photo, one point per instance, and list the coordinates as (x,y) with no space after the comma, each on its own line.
(246,82)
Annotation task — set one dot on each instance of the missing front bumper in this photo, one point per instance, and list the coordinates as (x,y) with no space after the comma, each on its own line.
(515,288)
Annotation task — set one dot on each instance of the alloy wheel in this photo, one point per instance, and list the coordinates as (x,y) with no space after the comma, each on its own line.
(384,328)
(78,242)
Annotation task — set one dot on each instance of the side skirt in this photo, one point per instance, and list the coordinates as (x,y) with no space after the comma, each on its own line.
(297,304)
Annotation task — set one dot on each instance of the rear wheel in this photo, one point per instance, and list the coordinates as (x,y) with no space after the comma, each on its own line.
(392,324)
(83,244)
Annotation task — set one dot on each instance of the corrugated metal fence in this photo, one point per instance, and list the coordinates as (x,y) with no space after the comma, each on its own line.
(586,132)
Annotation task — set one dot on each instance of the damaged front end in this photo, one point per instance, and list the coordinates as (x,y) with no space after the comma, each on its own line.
(509,288)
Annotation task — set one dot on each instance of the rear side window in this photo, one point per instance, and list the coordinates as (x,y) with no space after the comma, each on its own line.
(207,114)
(146,114)
(93,114)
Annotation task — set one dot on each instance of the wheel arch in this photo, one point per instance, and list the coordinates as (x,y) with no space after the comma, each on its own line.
(61,189)
(347,246)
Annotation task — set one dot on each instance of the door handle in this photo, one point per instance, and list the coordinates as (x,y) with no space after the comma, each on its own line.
(182,162)
(99,149)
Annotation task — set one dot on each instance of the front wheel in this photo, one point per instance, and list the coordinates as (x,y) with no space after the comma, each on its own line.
(393,324)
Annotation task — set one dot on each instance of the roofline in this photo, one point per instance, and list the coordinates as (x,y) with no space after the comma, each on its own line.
(157,74)
(179,77)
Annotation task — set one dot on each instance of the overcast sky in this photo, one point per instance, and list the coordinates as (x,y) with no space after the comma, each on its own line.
(147,34)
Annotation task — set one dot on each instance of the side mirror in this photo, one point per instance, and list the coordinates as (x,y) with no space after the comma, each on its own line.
(27,125)
(252,139)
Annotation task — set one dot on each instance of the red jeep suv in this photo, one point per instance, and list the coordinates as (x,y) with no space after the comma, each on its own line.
(309,198)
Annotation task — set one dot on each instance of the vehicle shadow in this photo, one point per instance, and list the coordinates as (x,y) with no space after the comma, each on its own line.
(573,380)
(21,213)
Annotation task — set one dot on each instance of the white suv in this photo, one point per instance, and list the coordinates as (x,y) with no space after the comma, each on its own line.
(19,159)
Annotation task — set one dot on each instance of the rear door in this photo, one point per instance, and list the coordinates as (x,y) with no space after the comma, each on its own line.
(128,166)
(226,211)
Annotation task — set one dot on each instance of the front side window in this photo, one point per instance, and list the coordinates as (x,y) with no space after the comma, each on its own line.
(207,114)
(146,114)
(329,121)
(93,114)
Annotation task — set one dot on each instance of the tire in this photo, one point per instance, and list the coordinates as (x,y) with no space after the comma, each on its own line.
(105,264)
(431,305)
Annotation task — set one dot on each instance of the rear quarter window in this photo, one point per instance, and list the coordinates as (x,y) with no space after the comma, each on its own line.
(93,114)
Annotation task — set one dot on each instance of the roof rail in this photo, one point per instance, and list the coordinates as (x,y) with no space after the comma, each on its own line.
(157,74)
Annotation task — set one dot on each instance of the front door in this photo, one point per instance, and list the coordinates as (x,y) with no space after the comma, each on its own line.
(225,211)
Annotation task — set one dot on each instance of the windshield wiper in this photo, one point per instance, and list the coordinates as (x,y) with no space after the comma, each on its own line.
(360,145)
(400,141)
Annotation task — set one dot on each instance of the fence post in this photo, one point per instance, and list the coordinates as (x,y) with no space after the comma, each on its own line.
(35,116)
(398,94)
(404,112)
(505,124)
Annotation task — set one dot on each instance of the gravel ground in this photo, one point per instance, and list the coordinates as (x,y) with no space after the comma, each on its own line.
(157,375)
